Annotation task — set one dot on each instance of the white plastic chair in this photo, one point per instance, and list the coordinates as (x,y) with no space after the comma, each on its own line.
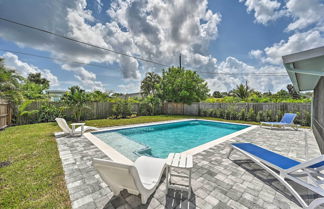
(142,177)
(67,130)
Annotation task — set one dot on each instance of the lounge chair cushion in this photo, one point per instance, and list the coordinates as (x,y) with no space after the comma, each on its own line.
(287,119)
(266,155)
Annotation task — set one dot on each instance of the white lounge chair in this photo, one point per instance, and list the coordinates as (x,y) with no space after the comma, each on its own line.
(142,177)
(288,168)
(67,130)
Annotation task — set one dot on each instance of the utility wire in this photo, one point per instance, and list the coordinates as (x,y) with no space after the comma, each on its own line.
(253,74)
(51,58)
(100,66)
(110,50)
(81,42)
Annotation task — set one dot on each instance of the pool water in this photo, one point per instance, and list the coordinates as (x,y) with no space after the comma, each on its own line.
(160,140)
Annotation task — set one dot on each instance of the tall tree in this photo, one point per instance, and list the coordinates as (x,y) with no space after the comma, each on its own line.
(37,78)
(217,94)
(242,91)
(293,93)
(98,96)
(149,85)
(180,85)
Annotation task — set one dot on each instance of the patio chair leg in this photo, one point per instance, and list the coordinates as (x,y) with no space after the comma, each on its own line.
(230,151)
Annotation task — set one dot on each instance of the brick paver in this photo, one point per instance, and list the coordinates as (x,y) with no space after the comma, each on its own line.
(217,182)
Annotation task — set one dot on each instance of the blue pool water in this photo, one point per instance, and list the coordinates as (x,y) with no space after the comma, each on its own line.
(160,140)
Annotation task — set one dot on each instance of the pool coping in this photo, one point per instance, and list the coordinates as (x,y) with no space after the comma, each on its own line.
(116,156)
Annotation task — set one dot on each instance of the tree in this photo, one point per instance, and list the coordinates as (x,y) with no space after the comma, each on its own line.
(217,94)
(37,79)
(98,96)
(180,85)
(267,94)
(10,83)
(33,91)
(149,85)
(242,91)
(34,86)
(280,95)
(76,99)
(293,93)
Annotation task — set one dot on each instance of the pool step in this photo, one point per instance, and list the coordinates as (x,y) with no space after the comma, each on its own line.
(129,148)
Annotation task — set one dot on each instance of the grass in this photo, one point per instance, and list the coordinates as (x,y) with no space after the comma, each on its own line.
(34,178)
(147,119)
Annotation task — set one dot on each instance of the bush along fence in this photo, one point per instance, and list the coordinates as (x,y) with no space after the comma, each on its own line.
(40,111)
(243,111)
(44,111)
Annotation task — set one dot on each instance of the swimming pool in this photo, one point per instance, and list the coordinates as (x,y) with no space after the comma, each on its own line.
(162,139)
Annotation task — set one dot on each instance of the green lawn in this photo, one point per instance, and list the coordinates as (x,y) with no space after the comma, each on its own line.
(35,178)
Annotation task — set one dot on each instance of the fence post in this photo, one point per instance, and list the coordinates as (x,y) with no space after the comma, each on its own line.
(9,116)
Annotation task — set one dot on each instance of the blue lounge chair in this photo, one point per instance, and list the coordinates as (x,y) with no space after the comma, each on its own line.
(286,120)
(288,168)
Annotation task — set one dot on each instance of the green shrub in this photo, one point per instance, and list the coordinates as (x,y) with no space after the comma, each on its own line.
(251,115)
(150,105)
(242,114)
(204,113)
(259,116)
(49,111)
(122,109)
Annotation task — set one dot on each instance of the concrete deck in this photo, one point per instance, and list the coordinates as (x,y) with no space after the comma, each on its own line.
(217,182)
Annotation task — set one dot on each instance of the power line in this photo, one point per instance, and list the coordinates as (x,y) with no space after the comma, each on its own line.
(81,42)
(51,58)
(253,74)
(110,50)
(100,66)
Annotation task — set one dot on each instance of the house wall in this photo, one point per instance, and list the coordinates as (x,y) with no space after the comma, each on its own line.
(318,114)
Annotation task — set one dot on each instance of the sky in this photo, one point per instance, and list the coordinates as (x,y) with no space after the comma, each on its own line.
(227,42)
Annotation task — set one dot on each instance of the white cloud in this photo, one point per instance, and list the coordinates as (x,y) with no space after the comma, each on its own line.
(130,86)
(223,82)
(256,53)
(305,13)
(157,30)
(264,10)
(99,5)
(87,79)
(295,43)
(12,61)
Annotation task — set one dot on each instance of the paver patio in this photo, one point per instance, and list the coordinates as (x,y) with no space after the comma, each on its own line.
(217,182)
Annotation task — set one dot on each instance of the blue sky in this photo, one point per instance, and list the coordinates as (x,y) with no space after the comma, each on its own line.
(216,36)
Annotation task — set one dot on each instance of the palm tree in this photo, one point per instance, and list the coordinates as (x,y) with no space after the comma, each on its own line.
(242,91)
(150,83)
(76,99)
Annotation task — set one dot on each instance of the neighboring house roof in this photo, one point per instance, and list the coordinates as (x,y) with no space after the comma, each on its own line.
(305,68)
(137,94)
(55,91)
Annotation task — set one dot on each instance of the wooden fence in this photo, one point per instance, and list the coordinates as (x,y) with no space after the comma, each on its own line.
(101,110)
(197,108)
(5,114)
